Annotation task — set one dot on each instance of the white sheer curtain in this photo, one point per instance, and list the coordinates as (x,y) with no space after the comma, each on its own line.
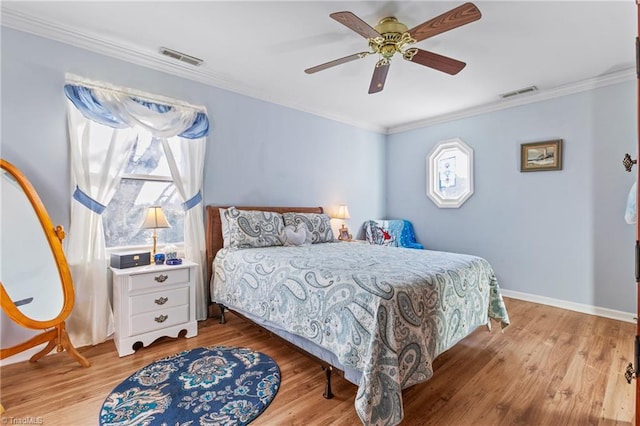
(97,165)
(98,156)
(187,177)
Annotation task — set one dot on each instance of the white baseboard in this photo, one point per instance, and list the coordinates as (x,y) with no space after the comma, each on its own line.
(571,306)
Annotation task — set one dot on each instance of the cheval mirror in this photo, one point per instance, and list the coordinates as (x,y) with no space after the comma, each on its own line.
(36,289)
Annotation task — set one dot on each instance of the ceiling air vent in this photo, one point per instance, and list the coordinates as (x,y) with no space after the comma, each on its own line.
(191,60)
(519,92)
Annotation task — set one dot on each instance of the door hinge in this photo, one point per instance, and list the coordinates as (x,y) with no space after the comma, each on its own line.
(637,261)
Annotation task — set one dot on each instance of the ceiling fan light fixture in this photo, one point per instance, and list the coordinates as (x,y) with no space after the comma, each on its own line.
(391,36)
(519,92)
(391,25)
(183,57)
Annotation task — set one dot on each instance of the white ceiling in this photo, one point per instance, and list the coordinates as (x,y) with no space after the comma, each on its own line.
(261,48)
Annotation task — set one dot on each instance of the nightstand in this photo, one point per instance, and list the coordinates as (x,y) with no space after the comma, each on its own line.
(153,301)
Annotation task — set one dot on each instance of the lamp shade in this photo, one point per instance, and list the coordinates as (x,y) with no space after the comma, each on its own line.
(343,212)
(155,219)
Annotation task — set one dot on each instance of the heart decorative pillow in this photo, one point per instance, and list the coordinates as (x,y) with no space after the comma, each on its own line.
(292,236)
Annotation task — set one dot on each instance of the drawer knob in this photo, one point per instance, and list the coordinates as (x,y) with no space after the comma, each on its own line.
(161,318)
(161,278)
(161,300)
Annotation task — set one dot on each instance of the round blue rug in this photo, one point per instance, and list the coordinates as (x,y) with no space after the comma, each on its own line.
(203,386)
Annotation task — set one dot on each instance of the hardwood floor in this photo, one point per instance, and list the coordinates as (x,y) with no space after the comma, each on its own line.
(549,367)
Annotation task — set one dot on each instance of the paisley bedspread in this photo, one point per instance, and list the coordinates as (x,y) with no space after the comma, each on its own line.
(384,311)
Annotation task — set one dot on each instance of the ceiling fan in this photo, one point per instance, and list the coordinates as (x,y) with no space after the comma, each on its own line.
(391,36)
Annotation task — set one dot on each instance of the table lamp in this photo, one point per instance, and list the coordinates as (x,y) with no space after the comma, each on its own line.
(155,219)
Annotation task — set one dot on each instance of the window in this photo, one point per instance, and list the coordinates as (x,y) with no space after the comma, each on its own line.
(146,182)
(100,155)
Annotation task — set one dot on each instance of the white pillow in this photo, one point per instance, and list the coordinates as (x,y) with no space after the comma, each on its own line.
(226,239)
(296,236)
(293,236)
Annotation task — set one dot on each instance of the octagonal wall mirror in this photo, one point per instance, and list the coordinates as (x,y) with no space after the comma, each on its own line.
(450,173)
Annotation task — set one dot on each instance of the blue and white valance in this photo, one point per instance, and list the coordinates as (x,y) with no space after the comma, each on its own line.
(120,110)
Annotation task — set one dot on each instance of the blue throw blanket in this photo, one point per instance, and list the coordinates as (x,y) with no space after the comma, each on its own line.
(397,233)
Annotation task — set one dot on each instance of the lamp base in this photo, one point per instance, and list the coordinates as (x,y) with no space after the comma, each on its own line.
(343,233)
(155,240)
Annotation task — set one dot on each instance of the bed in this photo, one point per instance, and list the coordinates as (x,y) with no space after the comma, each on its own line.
(378,314)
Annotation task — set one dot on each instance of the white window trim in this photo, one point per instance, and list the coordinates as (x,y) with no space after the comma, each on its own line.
(152,178)
(146,248)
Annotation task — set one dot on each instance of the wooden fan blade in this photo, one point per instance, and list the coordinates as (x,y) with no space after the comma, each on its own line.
(356,24)
(379,77)
(454,18)
(336,62)
(435,61)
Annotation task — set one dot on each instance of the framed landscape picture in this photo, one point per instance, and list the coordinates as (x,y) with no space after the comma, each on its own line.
(540,156)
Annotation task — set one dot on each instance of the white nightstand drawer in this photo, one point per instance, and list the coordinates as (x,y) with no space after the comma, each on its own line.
(159,319)
(154,279)
(159,300)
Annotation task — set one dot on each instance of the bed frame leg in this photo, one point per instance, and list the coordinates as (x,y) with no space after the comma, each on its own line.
(327,389)
(222,308)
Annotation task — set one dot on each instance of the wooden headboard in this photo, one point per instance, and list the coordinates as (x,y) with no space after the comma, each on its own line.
(213,231)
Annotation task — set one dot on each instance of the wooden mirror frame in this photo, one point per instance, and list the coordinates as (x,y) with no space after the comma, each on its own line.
(56,334)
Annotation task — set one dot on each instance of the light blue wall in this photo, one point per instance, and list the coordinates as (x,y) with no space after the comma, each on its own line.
(558,234)
(257,154)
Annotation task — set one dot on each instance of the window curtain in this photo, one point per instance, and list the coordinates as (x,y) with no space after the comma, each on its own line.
(187,178)
(97,163)
(95,171)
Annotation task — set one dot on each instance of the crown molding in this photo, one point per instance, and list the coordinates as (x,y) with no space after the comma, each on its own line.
(135,54)
(567,89)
